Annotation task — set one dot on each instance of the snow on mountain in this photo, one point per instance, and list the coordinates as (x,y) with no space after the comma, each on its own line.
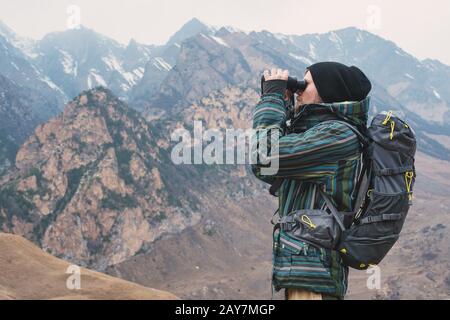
(189,29)
(303,59)
(20,68)
(94,79)
(312,51)
(113,63)
(436,94)
(26,45)
(160,62)
(70,66)
(335,38)
(220,41)
(85,59)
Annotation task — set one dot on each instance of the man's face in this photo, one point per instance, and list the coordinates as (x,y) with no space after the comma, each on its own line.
(310,95)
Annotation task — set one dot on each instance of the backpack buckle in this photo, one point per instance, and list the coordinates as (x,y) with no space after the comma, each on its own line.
(287,226)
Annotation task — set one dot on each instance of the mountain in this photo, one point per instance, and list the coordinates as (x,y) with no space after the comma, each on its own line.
(18,118)
(80,59)
(189,29)
(26,45)
(18,67)
(419,85)
(47,277)
(163,60)
(213,60)
(204,64)
(161,80)
(96,170)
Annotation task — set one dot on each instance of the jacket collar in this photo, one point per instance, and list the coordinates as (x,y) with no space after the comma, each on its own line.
(310,115)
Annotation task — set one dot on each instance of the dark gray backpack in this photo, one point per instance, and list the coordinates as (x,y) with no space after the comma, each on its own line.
(384,188)
(384,191)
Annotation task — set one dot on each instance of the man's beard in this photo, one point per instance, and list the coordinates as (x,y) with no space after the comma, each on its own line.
(298,105)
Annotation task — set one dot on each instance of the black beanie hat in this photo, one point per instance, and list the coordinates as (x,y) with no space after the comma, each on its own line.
(336,82)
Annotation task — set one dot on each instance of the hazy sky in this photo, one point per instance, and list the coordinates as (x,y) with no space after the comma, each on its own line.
(419,27)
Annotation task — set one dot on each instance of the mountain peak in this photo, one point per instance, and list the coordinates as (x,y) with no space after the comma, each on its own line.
(189,29)
(97,94)
(194,21)
(133,42)
(223,31)
(80,35)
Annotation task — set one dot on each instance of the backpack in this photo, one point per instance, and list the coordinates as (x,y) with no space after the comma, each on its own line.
(384,195)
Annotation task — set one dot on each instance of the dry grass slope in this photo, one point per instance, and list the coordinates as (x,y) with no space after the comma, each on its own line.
(27,272)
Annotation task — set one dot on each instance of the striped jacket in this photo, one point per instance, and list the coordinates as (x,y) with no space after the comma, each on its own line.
(312,153)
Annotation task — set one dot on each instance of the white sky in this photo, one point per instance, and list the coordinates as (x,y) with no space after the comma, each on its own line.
(419,27)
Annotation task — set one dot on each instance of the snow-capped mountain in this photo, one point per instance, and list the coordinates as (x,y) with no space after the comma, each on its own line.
(190,29)
(200,58)
(416,89)
(421,86)
(81,59)
(18,67)
(26,45)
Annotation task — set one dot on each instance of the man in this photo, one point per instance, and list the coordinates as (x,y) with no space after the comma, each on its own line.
(313,154)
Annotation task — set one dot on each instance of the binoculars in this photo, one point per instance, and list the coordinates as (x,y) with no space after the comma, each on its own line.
(293,85)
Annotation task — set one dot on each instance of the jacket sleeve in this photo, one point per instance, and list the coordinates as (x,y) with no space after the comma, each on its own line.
(310,154)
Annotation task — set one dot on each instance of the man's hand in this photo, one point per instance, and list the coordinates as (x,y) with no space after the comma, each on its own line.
(275,81)
(276,74)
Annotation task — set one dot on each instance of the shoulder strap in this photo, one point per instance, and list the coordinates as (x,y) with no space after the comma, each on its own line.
(275,186)
(362,138)
(332,208)
(363,182)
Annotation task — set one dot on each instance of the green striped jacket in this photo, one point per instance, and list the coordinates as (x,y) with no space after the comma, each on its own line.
(312,153)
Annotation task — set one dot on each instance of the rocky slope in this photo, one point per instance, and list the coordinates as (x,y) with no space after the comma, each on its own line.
(18,118)
(47,277)
(91,185)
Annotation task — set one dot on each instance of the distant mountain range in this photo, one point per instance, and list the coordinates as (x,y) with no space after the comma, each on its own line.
(199,59)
